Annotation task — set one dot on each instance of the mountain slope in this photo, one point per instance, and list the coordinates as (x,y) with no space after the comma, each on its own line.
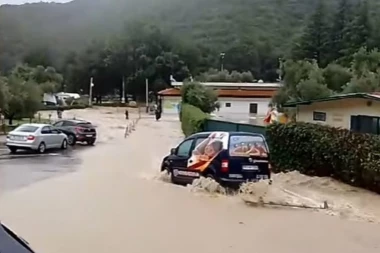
(215,24)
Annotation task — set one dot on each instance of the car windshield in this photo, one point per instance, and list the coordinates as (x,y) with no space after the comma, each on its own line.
(26,129)
(247,145)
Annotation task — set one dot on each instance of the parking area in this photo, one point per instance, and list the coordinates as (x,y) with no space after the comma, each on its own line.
(27,167)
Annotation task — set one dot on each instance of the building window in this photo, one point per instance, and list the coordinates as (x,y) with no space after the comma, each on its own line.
(365,124)
(319,116)
(253,108)
(228,104)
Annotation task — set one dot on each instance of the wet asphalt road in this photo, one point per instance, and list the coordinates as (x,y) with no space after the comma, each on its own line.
(26,168)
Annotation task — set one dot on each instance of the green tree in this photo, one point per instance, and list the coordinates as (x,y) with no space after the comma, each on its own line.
(199,96)
(357,32)
(366,72)
(336,77)
(364,61)
(4,96)
(314,43)
(24,98)
(340,25)
(367,82)
(303,80)
(38,57)
(49,80)
(214,75)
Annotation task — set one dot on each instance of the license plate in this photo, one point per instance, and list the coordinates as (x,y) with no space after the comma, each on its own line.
(262,177)
(185,173)
(18,138)
(89,135)
(250,167)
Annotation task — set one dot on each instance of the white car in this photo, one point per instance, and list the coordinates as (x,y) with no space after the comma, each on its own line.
(37,137)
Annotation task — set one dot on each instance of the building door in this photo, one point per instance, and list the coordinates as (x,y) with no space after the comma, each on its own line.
(253,108)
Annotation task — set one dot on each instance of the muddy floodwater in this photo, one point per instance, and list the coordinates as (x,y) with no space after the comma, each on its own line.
(115,200)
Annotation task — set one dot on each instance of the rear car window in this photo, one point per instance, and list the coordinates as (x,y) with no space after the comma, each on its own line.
(247,145)
(26,129)
(85,124)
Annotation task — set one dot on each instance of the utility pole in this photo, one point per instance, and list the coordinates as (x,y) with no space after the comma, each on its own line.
(123,92)
(147,94)
(90,95)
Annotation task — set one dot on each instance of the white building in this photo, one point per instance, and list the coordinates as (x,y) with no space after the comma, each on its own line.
(242,102)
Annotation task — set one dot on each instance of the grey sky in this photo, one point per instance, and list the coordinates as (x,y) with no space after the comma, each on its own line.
(30,1)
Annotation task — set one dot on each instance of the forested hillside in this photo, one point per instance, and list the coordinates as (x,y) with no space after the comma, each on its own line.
(113,40)
(266,26)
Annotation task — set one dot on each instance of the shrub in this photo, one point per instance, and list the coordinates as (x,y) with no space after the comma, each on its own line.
(68,107)
(118,104)
(325,151)
(192,119)
(199,96)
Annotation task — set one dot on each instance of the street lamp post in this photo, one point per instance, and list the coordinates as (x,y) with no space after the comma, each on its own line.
(90,95)
(222,61)
(123,92)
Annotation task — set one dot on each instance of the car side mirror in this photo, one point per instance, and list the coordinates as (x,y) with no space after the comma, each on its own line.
(173,151)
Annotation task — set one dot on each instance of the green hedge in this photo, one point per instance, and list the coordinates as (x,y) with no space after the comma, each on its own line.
(312,149)
(192,119)
(114,104)
(68,107)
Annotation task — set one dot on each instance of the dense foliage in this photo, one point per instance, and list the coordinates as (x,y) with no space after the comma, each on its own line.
(325,151)
(192,119)
(21,91)
(198,95)
(179,38)
(306,80)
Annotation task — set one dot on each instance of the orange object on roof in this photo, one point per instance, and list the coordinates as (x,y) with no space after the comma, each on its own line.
(227,93)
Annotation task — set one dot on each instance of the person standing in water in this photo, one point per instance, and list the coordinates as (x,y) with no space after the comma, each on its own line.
(126,114)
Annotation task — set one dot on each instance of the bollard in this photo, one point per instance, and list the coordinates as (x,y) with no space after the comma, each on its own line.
(133,126)
(126,132)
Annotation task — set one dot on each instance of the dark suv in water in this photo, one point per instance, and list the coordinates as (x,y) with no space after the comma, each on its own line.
(231,158)
(77,131)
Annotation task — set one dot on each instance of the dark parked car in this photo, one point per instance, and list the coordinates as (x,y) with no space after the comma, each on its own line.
(12,243)
(77,131)
(231,158)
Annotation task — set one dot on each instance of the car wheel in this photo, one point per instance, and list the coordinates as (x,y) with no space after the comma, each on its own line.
(13,150)
(91,143)
(64,144)
(211,176)
(71,139)
(41,148)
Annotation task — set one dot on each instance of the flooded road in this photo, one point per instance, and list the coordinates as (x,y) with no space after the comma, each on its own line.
(23,169)
(113,201)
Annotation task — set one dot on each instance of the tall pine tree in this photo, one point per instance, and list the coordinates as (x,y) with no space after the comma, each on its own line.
(357,32)
(314,43)
(340,23)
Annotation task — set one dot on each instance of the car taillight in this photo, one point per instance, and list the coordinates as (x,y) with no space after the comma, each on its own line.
(30,138)
(224,167)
